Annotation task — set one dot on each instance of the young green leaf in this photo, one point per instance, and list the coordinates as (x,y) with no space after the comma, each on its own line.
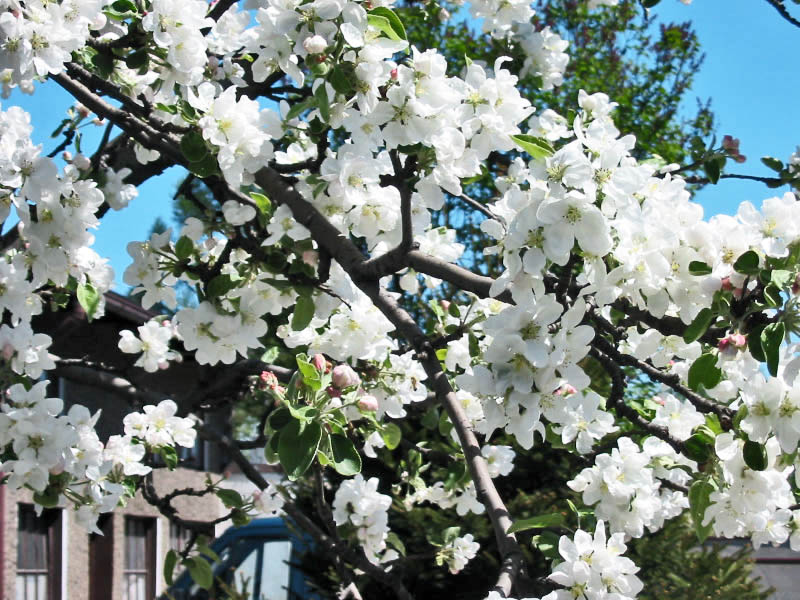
(200,571)
(391,435)
(771,339)
(303,313)
(170,561)
(755,455)
(394,21)
(747,263)
(697,267)
(538,522)
(698,326)
(535,146)
(699,501)
(297,448)
(704,371)
(346,459)
(89,299)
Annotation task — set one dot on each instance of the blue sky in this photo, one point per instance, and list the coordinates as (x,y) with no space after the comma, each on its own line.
(749,73)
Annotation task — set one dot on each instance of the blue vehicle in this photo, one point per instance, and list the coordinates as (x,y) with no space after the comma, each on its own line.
(258,560)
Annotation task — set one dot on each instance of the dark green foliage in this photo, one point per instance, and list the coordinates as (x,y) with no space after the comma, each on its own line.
(674,566)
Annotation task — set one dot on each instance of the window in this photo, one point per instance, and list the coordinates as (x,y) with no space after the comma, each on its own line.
(138,575)
(101,572)
(38,554)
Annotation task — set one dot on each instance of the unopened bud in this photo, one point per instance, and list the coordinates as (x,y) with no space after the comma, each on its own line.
(445,304)
(730,345)
(726,284)
(67,156)
(368,402)
(333,392)
(81,162)
(8,351)
(82,110)
(393,74)
(344,377)
(315,44)
(443,15)
(319,362)
(311,258)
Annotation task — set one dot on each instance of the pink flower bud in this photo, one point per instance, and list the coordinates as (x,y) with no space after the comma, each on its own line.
(82,110)
(319,362)
(333,392)
(345,377)
(730,345)
(268,380)
(367,402)
(8,351)
(726,284)
(393,74)
(445,304)
(311,258)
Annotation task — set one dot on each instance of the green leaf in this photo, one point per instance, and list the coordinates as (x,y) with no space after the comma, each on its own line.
(391,435)
(394,21)
(537,147)
(697,267)
(170,561)
(754,344)
(271,449)
(48,498)
(698,447)
(699,500)
(395,542)
(230,498)
(206,167)
(297,448)
(194,146)
(278,419)
(200,570)
(202,548)
(747,263)
(538,522)
(698,326)
(704,371)
(303,313)
(346,459)
(773,163)
(382,24)
(755,455)
(170,456)
(771,339)
(89,299)
(712,169)
(171,109)
(450,534)
(239,517)
(321,96)
(122,6)
(219,286)
(104,63)
(547,544)
(297,109)
(780,277)
(262,202)
(341,82)
(137,60)
(772,295)
(649,3)
(184,248)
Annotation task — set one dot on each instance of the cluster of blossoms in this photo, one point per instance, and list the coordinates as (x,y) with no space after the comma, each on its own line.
(61,458)
(625,486)
(586,206)
(593,568)
(359,504)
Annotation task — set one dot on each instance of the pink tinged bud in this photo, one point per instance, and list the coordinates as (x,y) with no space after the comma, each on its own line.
(81,162)
(319,362)
(737,293)
(726,284)
(731,144)
(445,304)
(82,110)
(738,340)
(315,44)
(67,156)
(730,345)
(368,402)
(345,377)
(393,74)
(740,158)
(8,351)
(311,258)
(163,365)
(333,392)
(268,379)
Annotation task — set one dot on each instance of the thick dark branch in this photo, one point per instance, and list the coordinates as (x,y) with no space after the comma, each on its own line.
(460,277)
(219,8)
(671,380)
(783,11)
(617,402)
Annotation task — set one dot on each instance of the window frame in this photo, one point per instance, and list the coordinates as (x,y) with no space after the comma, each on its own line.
(52,520)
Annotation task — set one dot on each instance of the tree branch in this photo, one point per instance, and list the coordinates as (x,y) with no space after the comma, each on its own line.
(783,11)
